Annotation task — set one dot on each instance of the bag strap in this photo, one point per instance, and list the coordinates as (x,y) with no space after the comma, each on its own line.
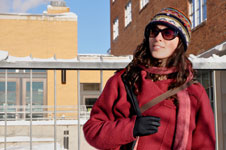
(132,98)
(158,99)
(165,95)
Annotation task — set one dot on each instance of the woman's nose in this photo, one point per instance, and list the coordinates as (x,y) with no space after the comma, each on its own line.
(159,37)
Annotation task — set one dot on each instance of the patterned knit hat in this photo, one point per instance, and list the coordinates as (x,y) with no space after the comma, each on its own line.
(175,19)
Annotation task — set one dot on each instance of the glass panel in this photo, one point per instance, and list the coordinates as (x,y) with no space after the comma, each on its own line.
(37,98)
(11,98)
(197,11)
(37,93)
(128,14)
(11,93)
(115,29)
(205,79)
(91,86)
(143,3)
(35,71)
(89,102)
(204,10)
(9,70)
(2,93)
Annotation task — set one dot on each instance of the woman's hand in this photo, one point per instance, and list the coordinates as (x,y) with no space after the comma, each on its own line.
(146,125)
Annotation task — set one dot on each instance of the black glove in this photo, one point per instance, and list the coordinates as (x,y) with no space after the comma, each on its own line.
(146,125)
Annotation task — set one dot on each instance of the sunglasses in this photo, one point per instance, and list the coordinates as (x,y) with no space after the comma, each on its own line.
(167,33)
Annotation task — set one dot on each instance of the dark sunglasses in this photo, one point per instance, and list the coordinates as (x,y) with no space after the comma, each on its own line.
(167,33)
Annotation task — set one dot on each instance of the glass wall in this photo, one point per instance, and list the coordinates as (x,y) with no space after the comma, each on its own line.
(17,93)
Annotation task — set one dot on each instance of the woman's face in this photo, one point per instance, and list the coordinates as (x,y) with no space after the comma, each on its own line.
(161,48)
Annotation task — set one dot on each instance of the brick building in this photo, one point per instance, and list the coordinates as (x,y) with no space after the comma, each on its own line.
(129,18)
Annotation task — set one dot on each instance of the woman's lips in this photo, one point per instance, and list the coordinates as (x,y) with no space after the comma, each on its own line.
(156,47)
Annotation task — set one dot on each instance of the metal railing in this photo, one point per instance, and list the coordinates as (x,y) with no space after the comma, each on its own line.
(43,112)
(99,63)
(30,113)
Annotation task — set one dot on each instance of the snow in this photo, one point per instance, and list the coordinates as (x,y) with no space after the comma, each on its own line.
(49,122)
(3,55)
(38,146)
(214,58)
(23,143)
(68,16)
(81,58)
(25,139)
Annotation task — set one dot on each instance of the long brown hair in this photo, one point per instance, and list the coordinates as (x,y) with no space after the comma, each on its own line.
(142,56)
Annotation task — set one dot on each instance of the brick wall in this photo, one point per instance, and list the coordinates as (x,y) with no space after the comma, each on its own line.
(211,32)
(204,37)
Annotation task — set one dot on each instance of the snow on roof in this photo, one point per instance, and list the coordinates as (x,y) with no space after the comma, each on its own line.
(80,58)
(68,16)
(217,50)
(85,62)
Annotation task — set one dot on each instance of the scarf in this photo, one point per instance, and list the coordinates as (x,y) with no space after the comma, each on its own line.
(184,110)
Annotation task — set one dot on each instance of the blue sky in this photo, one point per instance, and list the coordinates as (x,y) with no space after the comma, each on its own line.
(93,21)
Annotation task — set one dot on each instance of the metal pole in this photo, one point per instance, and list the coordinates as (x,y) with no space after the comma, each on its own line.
(78,90)
(101,80)
(215,106)
(6,103)
(55,110)
(31,109)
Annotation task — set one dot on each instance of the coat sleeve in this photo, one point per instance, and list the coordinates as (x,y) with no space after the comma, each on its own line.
(109,125)
(204,135)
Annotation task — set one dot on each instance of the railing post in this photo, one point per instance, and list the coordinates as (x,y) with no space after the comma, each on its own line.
(5,107)
(78,91)
(55,134)
(30,109)
(101,80)
(215,107)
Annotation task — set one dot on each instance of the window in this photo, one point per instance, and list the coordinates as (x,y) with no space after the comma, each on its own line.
(198,12)
(115,29)
(91,86)
(205,78)
(18,94)
(143,3)
(89,102)
(128,14)
(89,93)
(38,97)
(12,96)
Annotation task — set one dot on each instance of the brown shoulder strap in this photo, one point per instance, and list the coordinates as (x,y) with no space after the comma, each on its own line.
(165,95)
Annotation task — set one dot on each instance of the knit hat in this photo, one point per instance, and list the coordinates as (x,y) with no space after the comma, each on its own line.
(175,19)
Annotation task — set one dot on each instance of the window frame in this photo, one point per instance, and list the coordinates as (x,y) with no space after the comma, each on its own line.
(197,12)
(84,94)
(128,13)
(143,3)
(208,85)
(115,28)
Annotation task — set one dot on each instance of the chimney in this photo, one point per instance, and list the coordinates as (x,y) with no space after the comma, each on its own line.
(57,7)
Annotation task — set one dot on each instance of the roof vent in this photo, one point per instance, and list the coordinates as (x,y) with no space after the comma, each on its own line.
(58,3)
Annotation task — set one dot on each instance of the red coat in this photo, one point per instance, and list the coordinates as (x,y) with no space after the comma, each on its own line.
(111,124)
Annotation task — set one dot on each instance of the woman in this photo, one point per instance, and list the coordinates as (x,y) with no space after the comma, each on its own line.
(181,122)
